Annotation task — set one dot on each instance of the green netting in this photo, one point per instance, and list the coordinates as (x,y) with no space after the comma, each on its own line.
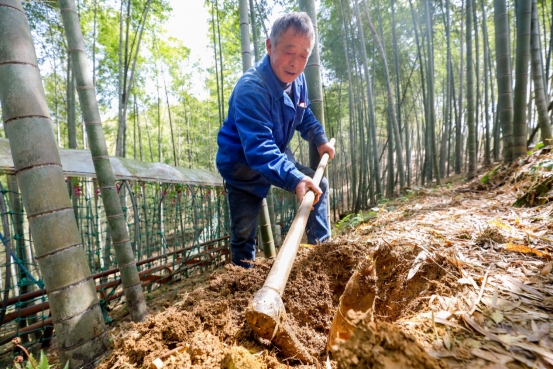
(176,230)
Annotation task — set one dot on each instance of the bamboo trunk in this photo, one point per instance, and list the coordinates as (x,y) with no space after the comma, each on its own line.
(106,179)
(313,79)
(544,121)
(370,99)
(520,124)
(352,187)
(79,324)
(487,71)
(476,69)
(394,125)
(458,126)
(266,230)
(471,124)
(504,77)
(430,99)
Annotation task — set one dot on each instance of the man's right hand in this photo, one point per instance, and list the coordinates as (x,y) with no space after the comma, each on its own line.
(305,185)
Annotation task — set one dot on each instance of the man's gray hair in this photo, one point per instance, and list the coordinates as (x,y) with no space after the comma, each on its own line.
(299,21)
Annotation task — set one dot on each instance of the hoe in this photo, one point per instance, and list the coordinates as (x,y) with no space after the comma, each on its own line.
(266,314)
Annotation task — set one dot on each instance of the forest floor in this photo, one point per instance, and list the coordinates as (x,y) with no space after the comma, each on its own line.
(462,281)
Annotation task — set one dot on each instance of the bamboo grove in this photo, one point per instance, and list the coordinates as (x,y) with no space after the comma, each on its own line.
(421,90)
(414,90)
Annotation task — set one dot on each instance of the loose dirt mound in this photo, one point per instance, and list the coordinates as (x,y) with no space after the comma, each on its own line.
(380,345)
(210,320)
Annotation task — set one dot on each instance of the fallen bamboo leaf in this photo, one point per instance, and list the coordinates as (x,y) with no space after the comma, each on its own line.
(444,301)
(511,289)
(539,333)
(544,353)
(540,235)
(442,314)
(522,317)
(525,287)
(493,357)
(497,317)
(419,260)
(526,250)
(546,239)
(547,268)
(480,293)
(307,246)
(500,224)
(506,339)
(497,366)
(440,354)
(447,341)
(473,282)
(464,281)
(432,298)
(479,329)
(449,323)
(500,352)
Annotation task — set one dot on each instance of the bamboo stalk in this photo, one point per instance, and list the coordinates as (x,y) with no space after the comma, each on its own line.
(106,179)
(79,324)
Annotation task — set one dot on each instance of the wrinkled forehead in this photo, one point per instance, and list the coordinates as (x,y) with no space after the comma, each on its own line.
(291,37)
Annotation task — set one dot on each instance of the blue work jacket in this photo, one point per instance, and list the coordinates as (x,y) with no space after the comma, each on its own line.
(253,141)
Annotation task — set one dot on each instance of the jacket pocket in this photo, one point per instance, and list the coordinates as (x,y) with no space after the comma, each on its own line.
(297,120)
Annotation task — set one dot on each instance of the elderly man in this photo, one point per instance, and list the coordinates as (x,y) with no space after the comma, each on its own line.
(268,104)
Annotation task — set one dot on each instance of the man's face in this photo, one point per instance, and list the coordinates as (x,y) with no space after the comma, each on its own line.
(289,55)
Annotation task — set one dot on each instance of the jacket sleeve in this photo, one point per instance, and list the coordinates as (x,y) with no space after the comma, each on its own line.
(255,127)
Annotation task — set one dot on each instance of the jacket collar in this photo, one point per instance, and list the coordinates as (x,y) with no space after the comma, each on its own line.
(274,84)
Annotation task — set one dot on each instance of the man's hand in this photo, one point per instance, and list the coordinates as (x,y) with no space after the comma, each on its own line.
(326,147)
(305,185)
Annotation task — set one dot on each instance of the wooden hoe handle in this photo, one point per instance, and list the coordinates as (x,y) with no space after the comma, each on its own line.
(278,276)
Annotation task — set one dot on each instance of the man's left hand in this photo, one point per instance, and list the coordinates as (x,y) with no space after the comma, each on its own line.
(326,147)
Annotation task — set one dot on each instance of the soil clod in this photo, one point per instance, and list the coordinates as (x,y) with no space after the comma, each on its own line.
(380,345)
